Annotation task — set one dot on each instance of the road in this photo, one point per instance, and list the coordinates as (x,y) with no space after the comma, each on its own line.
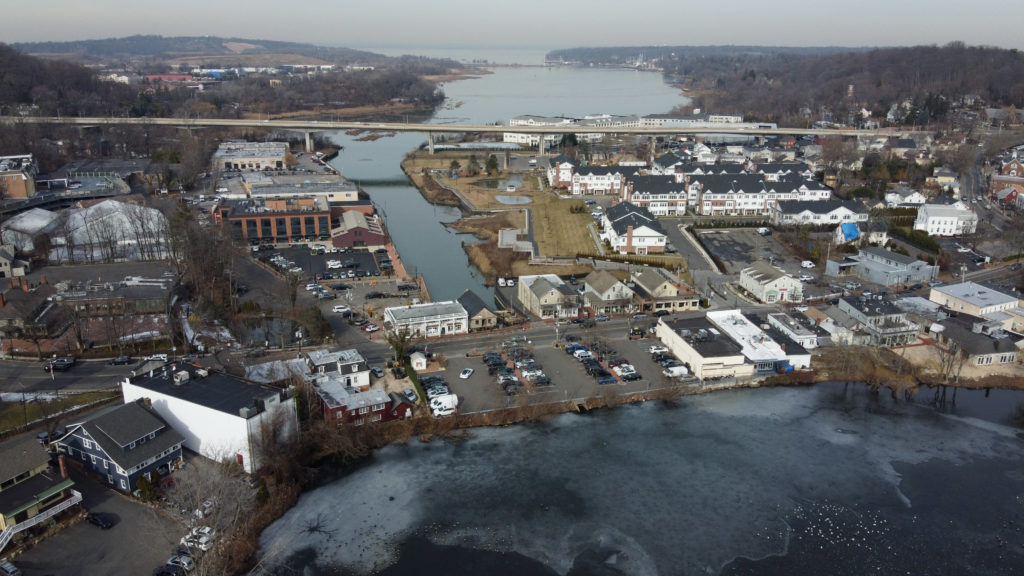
(318,125)
(29,376)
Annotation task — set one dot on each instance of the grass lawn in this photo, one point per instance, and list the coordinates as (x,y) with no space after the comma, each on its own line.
(14,414)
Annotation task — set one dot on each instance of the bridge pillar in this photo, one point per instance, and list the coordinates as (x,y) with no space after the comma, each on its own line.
(651,140)
(540,144)
(309,142)
(430,142)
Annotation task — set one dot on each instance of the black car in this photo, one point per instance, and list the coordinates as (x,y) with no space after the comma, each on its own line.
(121,360)
(661,313)
(373,294)
(169,570)
(631,376)
(97,519)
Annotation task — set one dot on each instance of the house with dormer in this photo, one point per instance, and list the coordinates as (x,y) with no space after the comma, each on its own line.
(655,289)
(548,297)
(123,444)
(632,229)
(603,293)
(560,171)
(589,180)
(346,406)
(349,363)
(884,323)
(661,195)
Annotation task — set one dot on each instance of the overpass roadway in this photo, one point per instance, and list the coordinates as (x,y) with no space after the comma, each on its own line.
(310,126)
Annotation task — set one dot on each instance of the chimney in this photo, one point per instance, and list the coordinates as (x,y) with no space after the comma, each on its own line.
(63,466)
(24,285)
(1,299)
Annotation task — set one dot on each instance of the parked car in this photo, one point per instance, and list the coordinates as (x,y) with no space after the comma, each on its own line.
(377,371)
(601,317)
(183,562)
(156,358)
(807,264)
(466,373)
(655,349)
(121,360)
(410,394)
(99,520)
(167,570)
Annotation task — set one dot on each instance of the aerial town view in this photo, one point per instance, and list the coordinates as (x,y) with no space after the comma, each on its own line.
(718,301)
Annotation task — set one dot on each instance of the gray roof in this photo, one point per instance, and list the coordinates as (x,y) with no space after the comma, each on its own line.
(763,272)
(704,337)
(19,455)
(600,280)
(625,214)
(753,183)
(217,390)
(472,303)
(428,310)
(655,184)
(975,294)
(114,431)
(348,356)
(882,253)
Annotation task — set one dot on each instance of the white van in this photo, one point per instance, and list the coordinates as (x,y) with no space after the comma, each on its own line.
(501,282)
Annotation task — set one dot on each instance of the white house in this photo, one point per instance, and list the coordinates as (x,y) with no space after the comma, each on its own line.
(428,320)
(221,417)
(631,229)
(770,284)
(942,220)
(904,196)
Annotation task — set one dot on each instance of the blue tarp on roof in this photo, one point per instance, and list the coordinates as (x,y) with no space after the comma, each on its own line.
(850,231)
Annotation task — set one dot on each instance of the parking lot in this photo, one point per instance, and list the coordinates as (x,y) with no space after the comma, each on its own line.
(141,539)
(568,377)
(738,248)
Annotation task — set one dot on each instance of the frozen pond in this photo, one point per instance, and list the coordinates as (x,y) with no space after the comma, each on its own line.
(770,481)
(513,199)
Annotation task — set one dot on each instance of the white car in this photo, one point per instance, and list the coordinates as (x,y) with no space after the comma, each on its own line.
(341,308)
(203,542)
(156,358)
(466,373)
(658,350)
(312,286)
(807,264)
(443,411)
(806,278)
(204,531)
(333,264)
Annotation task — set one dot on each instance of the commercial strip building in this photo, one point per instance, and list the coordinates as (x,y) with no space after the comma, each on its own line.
(241,155)
(770,284)
(428,320)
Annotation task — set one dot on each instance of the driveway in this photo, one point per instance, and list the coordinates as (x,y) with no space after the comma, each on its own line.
(142,538)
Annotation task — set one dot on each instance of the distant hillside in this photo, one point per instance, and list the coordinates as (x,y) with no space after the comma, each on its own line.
(161,47)
(783,84)
(628,55)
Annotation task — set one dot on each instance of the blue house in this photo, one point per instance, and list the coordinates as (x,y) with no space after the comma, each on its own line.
(123,444)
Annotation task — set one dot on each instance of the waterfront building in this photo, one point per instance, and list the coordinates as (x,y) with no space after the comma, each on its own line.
(428,320)
(221,417)
(709,353)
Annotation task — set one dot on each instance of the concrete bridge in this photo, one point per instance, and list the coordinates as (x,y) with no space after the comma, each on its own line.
(308,127)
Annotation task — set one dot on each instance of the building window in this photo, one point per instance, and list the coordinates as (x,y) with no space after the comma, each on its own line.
(364,410)
(92,460)
(123,484)
(86,444)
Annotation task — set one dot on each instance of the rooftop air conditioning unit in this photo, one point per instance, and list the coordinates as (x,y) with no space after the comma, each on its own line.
(180,378)
(202,373)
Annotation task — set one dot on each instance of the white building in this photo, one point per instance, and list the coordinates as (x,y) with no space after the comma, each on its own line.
(633,229)
(221,417)
(598,180)
(428,320)
(903,196)
(818,213)
(758,348)
(942,220)
(770,284)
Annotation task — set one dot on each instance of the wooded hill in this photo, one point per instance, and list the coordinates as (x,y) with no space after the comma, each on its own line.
(778,84)
(160,47)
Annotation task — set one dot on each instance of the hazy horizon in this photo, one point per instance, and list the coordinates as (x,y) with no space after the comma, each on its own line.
(530,25)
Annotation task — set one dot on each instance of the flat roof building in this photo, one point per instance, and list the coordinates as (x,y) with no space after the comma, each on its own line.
(221,417)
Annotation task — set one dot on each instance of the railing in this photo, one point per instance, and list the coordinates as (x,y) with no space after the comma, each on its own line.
(8,533)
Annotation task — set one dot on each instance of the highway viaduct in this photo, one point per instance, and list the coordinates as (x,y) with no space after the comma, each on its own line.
(308,127)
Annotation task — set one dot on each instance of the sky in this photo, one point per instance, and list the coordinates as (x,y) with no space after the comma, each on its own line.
(536,25)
